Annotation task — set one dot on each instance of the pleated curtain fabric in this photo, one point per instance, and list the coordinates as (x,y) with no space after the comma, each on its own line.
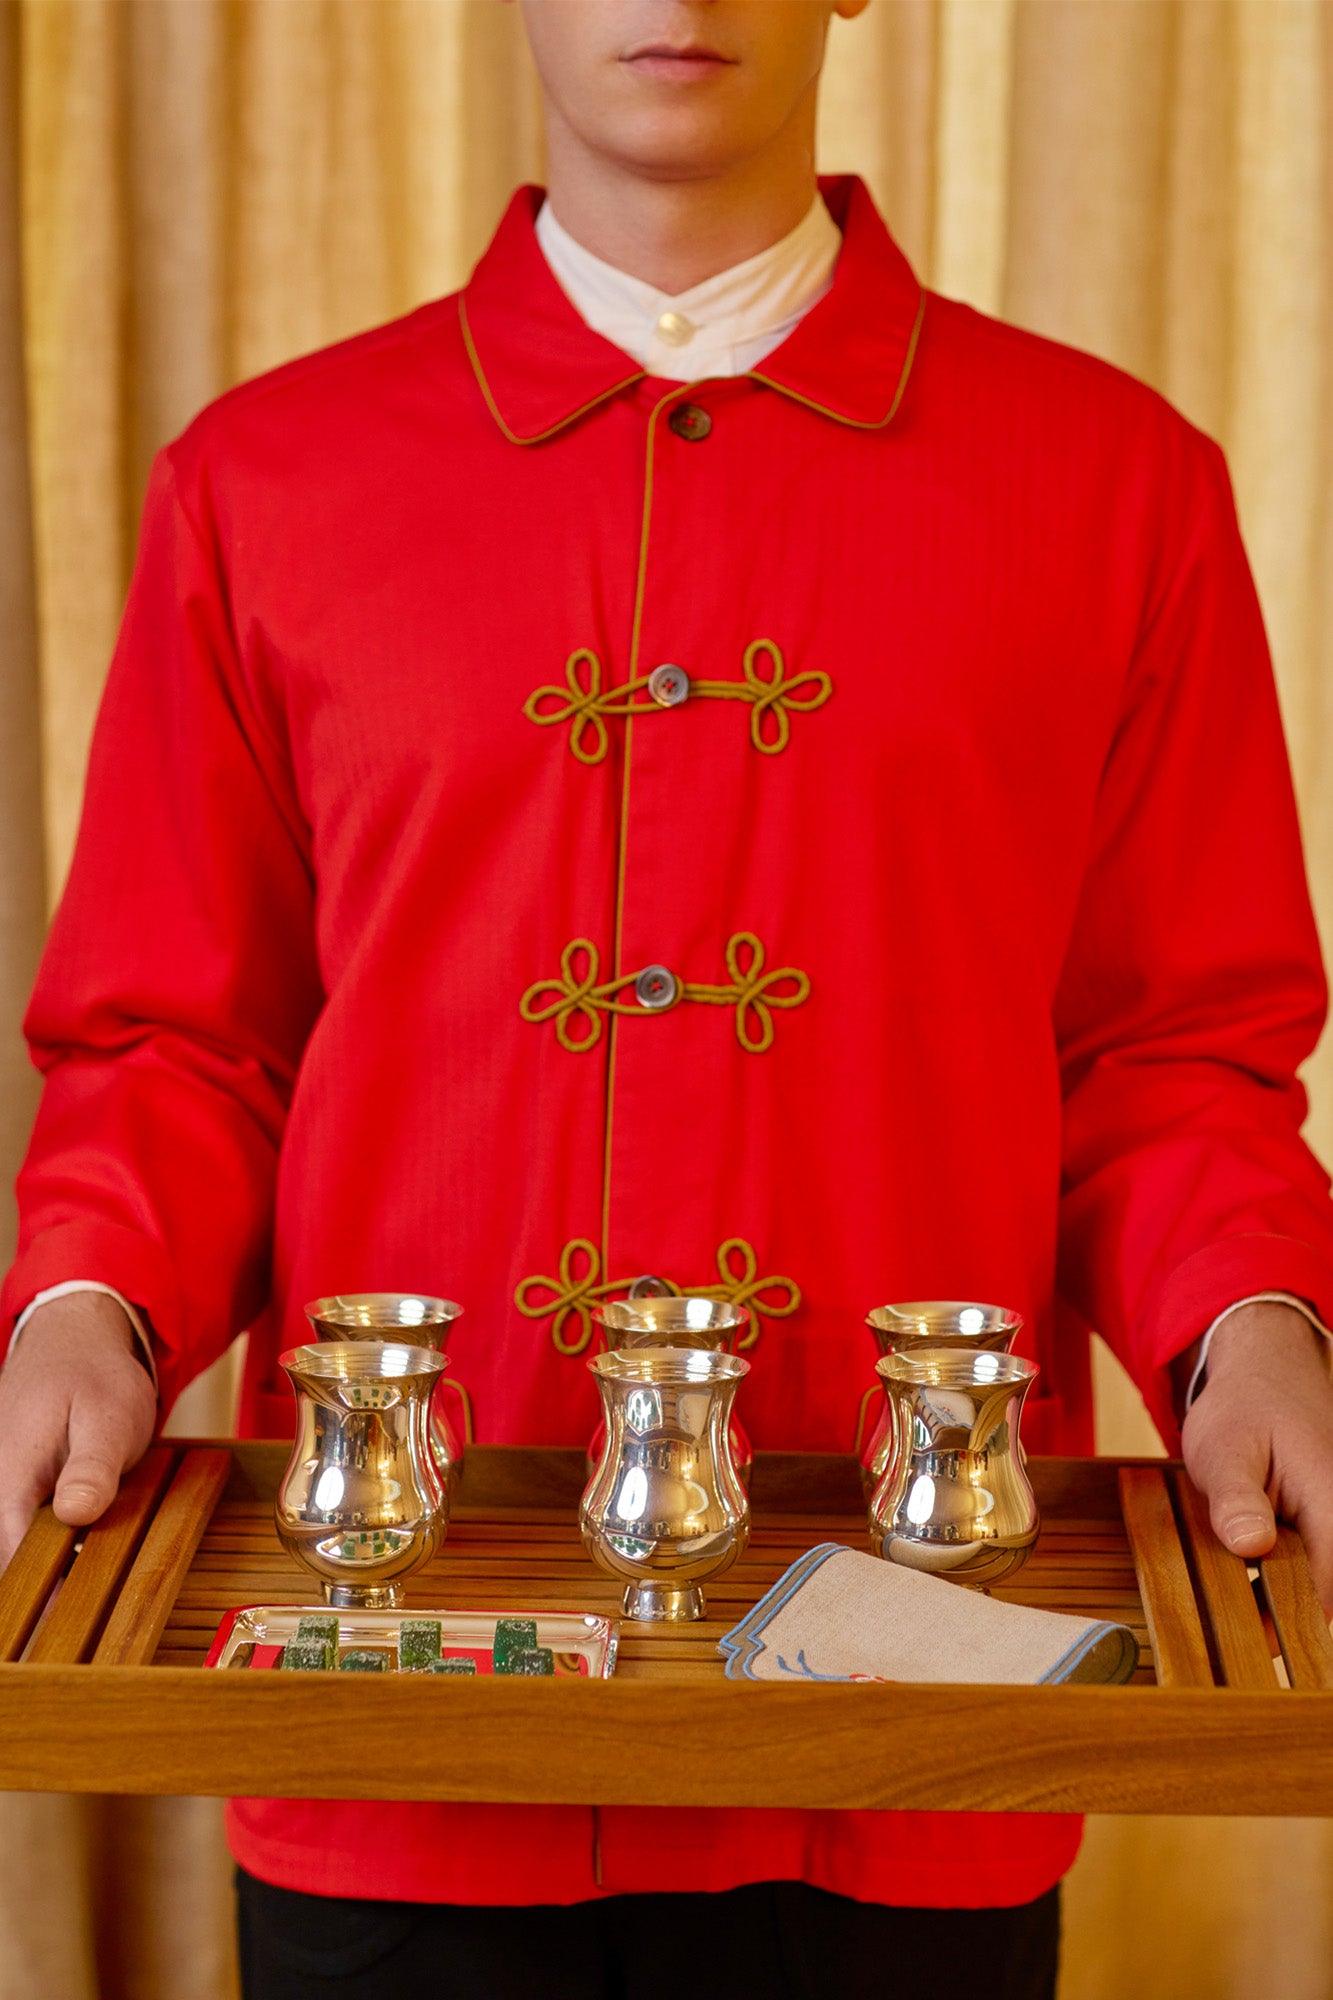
(194,190)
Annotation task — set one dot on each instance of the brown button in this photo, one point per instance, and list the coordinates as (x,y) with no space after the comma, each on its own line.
(688,421)
(669,686)
(656,988)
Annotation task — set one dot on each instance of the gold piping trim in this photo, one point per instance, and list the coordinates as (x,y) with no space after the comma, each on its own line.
(856,423)
(536,437)
(585,703)
(579,998)
(573,1293)
(636,627)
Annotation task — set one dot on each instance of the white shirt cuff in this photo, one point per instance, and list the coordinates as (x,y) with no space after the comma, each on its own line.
(1257,1299)
(66,1290)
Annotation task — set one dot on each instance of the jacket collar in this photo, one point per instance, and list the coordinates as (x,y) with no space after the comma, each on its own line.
(540,367)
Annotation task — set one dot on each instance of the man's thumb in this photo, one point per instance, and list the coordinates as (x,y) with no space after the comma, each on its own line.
(1242,1517)
(91,1472)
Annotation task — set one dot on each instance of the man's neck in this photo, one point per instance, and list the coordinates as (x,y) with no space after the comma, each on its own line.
(676,233)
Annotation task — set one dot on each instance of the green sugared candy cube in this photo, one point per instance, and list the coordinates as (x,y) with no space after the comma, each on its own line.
(512,1635)
(318,1629)
(452,1666)
(364,1661)
(418,1643)
(529,1660)
(307,1656)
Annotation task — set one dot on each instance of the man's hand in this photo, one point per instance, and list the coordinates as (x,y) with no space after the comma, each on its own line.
(1259,1439)
(76,1408)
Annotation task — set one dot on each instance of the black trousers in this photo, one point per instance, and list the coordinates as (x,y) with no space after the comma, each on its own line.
(770,1941)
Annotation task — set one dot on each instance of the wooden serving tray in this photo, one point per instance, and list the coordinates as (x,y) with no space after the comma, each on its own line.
(101,1688)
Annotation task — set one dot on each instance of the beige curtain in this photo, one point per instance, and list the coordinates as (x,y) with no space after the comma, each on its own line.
(193,190)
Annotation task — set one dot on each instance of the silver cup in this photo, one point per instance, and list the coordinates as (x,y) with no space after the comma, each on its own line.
(415,1317)
(658,1320)
(954,1498)
(918,1326)
(362,1503)
(665,1509)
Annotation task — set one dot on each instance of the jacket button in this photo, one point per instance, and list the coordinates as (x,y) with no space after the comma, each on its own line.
(688,421)
(656,988)
(669,686)
(650,1287)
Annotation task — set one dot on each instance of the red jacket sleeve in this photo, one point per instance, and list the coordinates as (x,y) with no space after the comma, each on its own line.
(179,983)
(1193,987)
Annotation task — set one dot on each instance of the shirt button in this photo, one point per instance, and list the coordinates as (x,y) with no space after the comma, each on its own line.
(669,686)
(650,1287)
(674,329)
(688,421)
(656,988)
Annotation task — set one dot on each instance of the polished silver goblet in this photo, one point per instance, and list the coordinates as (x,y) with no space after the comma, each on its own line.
(920,1325)
(665,1509)
(415,1317)
(954,1498)
(362,1503)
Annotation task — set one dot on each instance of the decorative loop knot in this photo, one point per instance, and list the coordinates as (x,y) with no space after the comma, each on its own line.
(776,696)
(584,703)
(753,992)
(577,1001)
(570,1296)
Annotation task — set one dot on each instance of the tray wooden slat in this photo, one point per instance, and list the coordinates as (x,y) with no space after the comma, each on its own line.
(153,1584)
(1224,1584)
(88,1592)
(1179,1648)
(37,1565)
(1302,1629)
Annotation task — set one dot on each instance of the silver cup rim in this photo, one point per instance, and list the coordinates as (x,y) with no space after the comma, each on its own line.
(957,1368)
(340,1307)
(637,1315)
(669,1364)
(995,1319)
(361,1360)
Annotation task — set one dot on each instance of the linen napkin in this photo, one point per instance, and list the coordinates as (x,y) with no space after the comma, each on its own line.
(838,1615)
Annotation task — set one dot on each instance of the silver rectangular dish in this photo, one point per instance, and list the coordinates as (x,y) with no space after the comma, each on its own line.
(253,1636)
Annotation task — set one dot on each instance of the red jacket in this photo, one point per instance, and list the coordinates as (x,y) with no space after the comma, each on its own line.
(971,853)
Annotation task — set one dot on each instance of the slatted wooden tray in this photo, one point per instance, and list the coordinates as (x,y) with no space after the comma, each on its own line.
(101,1688)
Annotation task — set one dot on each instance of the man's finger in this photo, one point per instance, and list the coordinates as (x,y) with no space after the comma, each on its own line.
(85,1490)
(91,1473)
(1242,1518)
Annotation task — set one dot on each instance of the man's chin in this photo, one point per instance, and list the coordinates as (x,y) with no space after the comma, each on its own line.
(674,149)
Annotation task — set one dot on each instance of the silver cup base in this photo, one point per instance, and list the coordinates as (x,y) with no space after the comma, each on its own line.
(656,1603)
(364,1596)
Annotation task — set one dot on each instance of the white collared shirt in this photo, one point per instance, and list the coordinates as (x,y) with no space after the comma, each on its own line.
(724,326)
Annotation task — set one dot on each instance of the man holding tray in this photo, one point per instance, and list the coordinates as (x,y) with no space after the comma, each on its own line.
(695,757)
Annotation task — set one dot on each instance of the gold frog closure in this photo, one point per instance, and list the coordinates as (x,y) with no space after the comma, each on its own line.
(565,1300)
(584,703)
(578,999)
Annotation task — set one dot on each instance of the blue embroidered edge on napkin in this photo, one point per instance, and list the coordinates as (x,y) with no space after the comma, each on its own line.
(744,1643)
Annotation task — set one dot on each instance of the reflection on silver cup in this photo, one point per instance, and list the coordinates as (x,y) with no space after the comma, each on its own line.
(362,1503)
(411,1316)
(954,1498)
(918,1325)
(664,1510)
(658,1319)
